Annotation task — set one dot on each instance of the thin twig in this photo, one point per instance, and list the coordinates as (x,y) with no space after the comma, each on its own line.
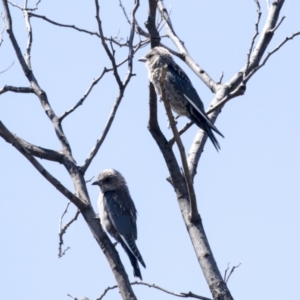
(15,89)
(124,11)
(7,67)
(8,136)
(181,295)
(63,25)
(41,94)
(270,54)
(279,23)
(106,48)
(226,270)
(255,35)
(122,85)
(62,230)
(181,131)
(74,298)
(80,102)
(221,78)
(231,271)
(194,215)
(1,34)
(15,5)
(240,90)
(29,41)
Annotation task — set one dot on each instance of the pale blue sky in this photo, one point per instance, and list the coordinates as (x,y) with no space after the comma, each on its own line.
(248,193)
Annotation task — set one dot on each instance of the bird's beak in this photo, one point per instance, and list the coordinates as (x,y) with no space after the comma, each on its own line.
(95,183)
(143,59)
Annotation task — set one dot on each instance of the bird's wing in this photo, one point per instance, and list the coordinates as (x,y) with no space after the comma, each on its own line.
(122,219)
(178,77)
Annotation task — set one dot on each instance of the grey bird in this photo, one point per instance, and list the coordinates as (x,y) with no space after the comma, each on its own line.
(118,214)
(183,97)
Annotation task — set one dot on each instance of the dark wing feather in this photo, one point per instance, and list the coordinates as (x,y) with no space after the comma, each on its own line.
(133,261)
(122,219)
(178,77)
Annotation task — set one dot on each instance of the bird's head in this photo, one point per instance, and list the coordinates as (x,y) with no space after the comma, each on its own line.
(110,180)
(157,57)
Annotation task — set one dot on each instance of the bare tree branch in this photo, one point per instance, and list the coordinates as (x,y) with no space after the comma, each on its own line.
(181,295)
(15,89)
(231,271)
(124,11)
(63,230)
(25,5)
(15,5)
(194,215)
(112,40)
(255,34)
(1,33)
(184,53)
(122,85)
(8,136)
(270,54)
(108,52)
(34,84)
(80,102)
(236,86)
(181,131)
(196,231)
(40,152)
(81,197)
(63,25)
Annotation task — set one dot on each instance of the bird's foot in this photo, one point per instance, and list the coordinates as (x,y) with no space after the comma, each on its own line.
(169,124)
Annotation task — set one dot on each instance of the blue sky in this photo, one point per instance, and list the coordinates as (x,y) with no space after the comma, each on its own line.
(248,194)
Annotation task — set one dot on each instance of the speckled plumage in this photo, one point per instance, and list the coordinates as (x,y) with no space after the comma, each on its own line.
(183,97)
(118,214)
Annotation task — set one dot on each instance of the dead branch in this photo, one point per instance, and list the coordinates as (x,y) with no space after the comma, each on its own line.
(236,86)
(8,136)
(194,215)
(270,54)
(255,34)
(63,230)
(29,41)
(34,84)
(63,25)
(181,131)
(231,271)
(124,11)
(180,295)
(80,102)
(15,89)
(122,85)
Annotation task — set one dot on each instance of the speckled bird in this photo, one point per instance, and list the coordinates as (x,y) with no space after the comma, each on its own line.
(118,214)
(183,97)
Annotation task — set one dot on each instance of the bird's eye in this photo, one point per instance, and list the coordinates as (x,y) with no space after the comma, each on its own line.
(149,56)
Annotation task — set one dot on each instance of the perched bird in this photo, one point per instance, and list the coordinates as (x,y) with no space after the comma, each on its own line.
(183,98)
(117,214)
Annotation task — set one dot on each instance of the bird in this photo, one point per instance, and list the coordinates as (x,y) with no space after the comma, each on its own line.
(118,214)
(182,96)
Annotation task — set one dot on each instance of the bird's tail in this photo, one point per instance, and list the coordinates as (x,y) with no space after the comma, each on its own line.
(130,243)
(211,136)
(207,126)
(136,269)
(202,121)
